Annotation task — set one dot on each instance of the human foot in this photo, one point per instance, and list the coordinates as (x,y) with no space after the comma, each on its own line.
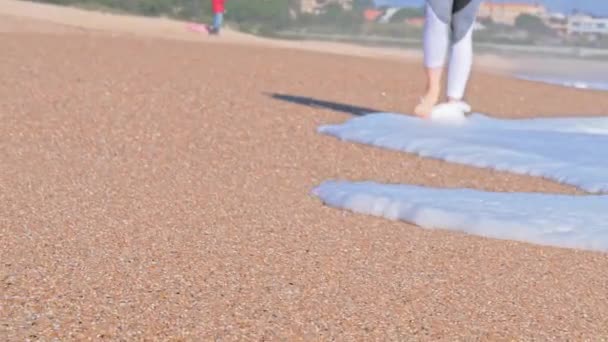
(425,106)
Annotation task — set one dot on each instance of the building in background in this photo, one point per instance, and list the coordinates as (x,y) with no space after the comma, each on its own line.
(372,14)
(507,12)
(558,22)
(316,6)
(388,14)
(581,24)
(380,15)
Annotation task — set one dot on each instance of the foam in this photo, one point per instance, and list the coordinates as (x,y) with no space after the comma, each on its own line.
(567,150)
(566,82)
(450,113)
(553,220)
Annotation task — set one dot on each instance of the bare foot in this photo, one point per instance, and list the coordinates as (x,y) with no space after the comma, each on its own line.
(425,106)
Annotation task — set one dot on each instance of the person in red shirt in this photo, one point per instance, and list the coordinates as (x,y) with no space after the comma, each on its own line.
(218,15)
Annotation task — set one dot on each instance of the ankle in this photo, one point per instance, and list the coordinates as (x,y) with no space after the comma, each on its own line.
(454,99)
(433,94)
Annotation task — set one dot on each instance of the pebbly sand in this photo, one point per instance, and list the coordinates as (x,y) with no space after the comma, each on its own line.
(152,188)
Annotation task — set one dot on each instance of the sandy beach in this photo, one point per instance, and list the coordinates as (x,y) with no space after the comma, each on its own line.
(153,188)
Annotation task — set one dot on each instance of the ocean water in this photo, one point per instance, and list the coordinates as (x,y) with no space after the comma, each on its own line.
(580,82)
(579,222)
(567,150)
(572,151)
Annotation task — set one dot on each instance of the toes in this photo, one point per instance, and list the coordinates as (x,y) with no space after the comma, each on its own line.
(423,109)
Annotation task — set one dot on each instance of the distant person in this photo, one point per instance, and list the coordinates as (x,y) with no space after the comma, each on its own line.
(218,15)
(449,23)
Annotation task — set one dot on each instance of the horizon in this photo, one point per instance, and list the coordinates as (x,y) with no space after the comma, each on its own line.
(593,7)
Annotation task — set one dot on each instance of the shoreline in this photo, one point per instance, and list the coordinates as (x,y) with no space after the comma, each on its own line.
(66,18)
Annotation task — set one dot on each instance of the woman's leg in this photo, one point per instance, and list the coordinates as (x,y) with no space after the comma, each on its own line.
(436,42)
(460,67)
(461,60)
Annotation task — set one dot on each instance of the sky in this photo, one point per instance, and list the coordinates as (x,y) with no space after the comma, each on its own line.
(595,7)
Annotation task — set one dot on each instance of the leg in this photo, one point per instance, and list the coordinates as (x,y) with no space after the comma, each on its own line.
(460,67)
(218,19)
(436,44)
(462,48)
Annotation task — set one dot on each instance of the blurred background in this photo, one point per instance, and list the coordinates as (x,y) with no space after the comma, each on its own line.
(536,29)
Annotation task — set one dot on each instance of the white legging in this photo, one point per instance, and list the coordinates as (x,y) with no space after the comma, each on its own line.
(437,41)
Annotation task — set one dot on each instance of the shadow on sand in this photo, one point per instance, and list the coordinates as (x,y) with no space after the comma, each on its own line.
(316,103)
